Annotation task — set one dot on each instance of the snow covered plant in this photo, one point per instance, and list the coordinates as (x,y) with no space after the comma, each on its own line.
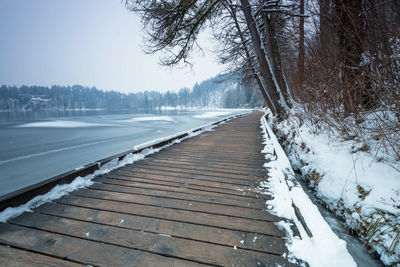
(363,191)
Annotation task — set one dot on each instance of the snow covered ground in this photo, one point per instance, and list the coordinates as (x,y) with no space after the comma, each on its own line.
(320,248)
(363,192)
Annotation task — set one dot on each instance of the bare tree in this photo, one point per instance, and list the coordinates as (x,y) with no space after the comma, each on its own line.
(173,27)
(236,48)
(271,42)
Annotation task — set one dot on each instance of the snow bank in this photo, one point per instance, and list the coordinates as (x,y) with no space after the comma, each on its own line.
(363,192)
(82,182)
(324,248)
(61,124)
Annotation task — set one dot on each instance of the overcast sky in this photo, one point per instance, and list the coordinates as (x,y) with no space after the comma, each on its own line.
(88,42)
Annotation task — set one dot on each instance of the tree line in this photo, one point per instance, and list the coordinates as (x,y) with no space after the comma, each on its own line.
(217,92)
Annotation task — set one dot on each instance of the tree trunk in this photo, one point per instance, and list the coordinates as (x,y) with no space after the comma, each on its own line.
(300,62)
(351,36)
(265,68)
(323,24)
(261,86)
(276,58)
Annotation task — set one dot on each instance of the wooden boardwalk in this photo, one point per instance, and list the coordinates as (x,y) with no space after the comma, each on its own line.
(190,204)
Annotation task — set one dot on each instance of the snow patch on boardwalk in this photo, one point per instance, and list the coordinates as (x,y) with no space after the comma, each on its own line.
(324,248)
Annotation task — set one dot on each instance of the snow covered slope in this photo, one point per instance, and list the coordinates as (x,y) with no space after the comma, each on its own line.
(363,192)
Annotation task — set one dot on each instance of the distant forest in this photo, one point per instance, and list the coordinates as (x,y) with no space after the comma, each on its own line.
(217,92)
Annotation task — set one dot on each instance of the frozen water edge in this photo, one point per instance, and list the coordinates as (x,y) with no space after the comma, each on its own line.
(82,182)
(324,248)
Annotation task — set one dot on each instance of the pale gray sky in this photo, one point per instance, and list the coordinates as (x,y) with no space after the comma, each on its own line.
(88,42)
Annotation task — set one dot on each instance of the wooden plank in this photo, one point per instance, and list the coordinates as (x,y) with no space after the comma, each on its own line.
(196,167)
(200,218)
(227,181)
(79,249)
(250,202)
(236,152)
(213,150)
(188,205)
(178,188)
(184,180)
(186,183)
(215,156)
(207,164)
(251,241)
(246,182)
(17,258)
(170,246)
(195,172)
(209,158)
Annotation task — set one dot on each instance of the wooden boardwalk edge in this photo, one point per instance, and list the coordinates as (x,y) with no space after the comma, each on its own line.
(191,204)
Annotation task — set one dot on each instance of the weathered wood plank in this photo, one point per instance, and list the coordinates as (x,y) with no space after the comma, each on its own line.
(179,188)
(227,180)
(184,180)
(236,163)
(145,172)
(227,154)
(251,241)
(189,171)
(81,249)
(216,171)
(211,156)
(201,218)
(187,183)
(249,202)
(208,165)
(20,258)
(187,205)
(155,243)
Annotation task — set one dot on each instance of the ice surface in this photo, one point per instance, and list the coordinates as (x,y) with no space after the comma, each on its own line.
(211,114)
(61,124)
(150,118)
(51,151)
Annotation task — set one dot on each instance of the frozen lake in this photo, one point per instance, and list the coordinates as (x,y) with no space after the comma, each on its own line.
(39,145)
